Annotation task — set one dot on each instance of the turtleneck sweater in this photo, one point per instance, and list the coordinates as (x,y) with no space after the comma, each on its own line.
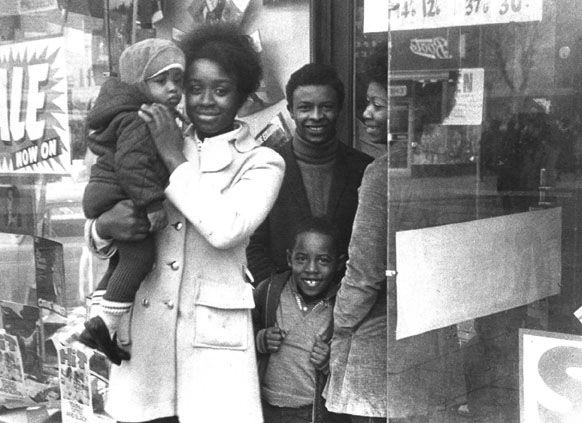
(316,163)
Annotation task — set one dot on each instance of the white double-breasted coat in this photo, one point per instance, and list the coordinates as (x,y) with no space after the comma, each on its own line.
(190,331)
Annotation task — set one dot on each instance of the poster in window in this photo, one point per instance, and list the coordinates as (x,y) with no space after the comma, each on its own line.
(75,384)
(16,209)
(11,370)
(34,125)
(269,91)
(50,275)
(466,102)
(22,322)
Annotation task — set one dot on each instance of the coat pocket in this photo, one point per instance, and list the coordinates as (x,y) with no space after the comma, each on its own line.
(221,314)
(221,328)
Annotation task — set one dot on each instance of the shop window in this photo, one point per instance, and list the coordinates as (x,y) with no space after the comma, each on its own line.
(487,200)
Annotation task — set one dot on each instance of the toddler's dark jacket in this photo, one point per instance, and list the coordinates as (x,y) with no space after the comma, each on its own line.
(127,156)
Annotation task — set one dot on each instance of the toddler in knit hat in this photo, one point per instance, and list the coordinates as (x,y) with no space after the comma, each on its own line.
(127,167)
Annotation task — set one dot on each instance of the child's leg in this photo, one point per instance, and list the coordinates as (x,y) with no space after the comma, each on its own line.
(135,261)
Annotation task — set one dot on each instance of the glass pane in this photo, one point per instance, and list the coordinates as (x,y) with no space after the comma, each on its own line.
(483,176)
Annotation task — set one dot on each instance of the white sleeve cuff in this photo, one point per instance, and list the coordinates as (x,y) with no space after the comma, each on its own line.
(100,246)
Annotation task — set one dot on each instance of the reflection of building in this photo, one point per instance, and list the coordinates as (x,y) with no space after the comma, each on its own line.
(521,63)
(11,215)
(215,11)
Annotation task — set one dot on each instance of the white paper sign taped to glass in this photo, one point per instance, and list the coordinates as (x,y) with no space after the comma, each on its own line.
(453,273)
(34,127)
(466,102)
(550,377)
(423,14)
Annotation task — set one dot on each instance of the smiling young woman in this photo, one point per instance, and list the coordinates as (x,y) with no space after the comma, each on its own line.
(191,330)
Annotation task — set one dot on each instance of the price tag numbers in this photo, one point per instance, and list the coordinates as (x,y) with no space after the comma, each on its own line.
(478,12)
(411,14)
(422,14)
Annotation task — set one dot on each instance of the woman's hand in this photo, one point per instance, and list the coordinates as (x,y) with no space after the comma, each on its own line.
(165,133)
(123,222)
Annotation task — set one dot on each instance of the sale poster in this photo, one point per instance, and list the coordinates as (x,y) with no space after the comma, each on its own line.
(34,126)
(550,377)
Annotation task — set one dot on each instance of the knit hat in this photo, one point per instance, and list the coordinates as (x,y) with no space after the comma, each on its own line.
(149,58)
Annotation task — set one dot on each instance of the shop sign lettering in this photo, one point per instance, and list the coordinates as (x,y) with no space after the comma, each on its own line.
(34,130)
(37,153)
(424,14)
(431,48)
(13,86)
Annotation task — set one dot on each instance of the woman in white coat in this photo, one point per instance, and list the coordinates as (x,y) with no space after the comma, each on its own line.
(190,333)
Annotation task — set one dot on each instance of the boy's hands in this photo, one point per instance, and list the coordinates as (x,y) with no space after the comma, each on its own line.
(319,353)
(274,337)
(158,220)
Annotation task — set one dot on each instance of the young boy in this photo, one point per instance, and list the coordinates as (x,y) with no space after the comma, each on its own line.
(128,167)
(293,321)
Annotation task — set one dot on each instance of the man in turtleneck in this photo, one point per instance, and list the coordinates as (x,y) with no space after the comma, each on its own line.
(322,174)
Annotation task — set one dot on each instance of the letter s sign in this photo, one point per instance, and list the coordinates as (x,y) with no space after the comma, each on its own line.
(556,367)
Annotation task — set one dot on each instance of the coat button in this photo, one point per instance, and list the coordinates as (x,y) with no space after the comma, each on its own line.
(145,302)
(169,304)
(178,226)
(174,265)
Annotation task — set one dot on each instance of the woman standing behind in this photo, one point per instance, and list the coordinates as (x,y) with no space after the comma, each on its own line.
(192,344)
(373,377)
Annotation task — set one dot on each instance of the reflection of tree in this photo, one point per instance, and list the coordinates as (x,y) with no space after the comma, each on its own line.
(520,56)
(513,48)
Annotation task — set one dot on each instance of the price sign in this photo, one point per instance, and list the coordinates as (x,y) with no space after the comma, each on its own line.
(423,14)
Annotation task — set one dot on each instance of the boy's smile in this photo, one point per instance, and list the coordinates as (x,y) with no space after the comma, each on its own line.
(313,263)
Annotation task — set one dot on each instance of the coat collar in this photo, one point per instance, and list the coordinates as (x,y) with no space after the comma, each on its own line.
(216,152)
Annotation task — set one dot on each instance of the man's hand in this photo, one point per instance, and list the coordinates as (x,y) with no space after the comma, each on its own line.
(319,353)
(274,337)
(123,222)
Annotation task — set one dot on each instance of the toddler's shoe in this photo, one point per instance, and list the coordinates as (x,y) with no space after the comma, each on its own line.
(96,336)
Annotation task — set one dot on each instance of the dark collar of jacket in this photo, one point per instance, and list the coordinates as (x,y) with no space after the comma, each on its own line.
(216,152)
